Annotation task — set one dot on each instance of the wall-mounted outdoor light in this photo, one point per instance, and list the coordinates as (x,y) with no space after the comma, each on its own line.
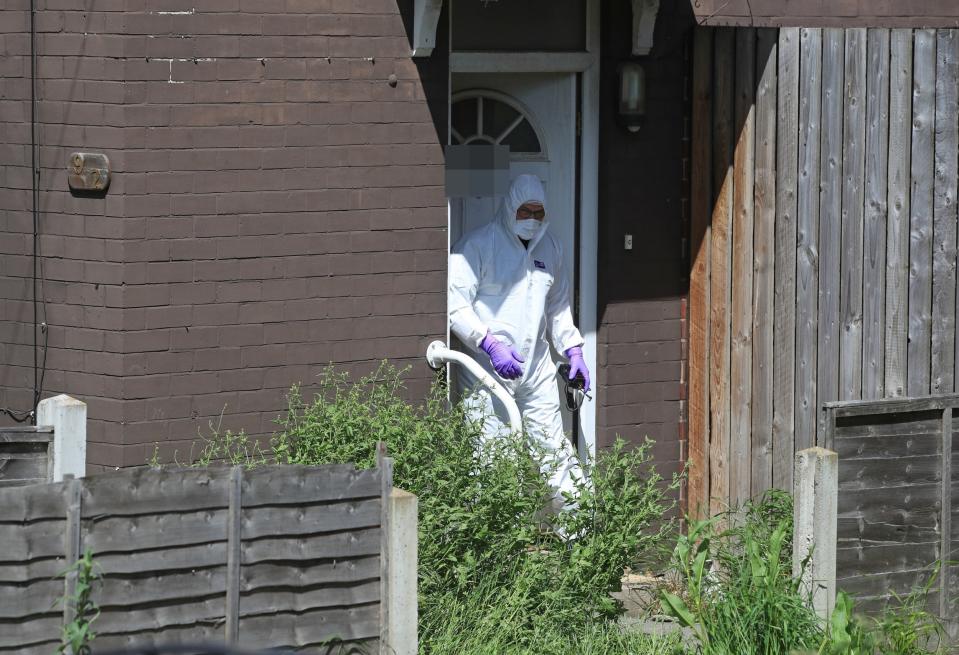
(632,95)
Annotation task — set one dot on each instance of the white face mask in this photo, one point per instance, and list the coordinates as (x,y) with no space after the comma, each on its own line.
(527,228)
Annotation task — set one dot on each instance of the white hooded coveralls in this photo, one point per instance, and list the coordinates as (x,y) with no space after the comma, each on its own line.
(520,294)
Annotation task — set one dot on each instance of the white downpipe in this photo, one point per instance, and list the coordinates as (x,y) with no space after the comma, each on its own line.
(437,354)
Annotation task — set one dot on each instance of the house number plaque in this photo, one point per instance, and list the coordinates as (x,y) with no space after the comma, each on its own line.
(88,171)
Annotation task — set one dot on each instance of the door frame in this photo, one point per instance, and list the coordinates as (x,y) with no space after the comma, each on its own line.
(587,65)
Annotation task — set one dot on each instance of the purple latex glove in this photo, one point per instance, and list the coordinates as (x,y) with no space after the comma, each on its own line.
(506,361)
(577,365)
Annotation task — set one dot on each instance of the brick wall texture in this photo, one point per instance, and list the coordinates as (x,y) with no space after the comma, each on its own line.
(828,13)
(277,204)
(642,291)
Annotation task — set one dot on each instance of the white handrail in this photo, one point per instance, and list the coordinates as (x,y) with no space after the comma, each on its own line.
(438,354)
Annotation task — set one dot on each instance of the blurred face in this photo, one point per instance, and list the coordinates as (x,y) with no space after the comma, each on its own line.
(530,210)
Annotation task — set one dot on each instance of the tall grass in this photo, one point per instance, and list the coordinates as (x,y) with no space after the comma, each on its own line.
(493,578)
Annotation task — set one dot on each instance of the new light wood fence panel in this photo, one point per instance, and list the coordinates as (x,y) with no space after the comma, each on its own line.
(824,248)
(273,557)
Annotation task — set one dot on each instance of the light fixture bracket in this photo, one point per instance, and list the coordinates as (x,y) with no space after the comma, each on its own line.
(644,23)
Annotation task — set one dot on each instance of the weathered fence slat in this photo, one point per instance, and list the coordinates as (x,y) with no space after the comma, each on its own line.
(874,219)
(233,529)
(385,466)
(311,628)
(761,448)
(741,308)
(921,222)
(33,541)
(308,573)
(700,200)
(897,235)
(807,237)
(71,545)
(944,213)
(784,337)
(830,216)
(853,180)
(945,544)
(720,258)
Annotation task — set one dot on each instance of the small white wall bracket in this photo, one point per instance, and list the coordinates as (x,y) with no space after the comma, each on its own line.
(426,14)
(644,23)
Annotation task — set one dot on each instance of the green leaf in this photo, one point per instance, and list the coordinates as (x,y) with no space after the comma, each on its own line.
(674,606)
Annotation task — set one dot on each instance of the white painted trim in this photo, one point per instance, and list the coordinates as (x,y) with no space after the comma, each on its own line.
(644,24)
(522,62)
(589,226)
(426,16)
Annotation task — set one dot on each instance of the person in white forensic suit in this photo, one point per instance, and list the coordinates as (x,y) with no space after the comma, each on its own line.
(508,292)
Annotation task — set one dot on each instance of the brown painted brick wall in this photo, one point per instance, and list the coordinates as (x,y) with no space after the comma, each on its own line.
(642,291)
(80,107)
(277,205)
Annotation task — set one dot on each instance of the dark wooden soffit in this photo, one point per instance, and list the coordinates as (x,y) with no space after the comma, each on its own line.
(828,13)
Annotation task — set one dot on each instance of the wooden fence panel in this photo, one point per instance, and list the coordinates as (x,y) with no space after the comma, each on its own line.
(764,252)
(741,325)
(784,315)
(845,287)
(701,206)
(920,220)
(897,235)
(720,258)
(273,557)
(874,218)
(853,181)
(897,499)
(944,213)
(830,217)
(807,237)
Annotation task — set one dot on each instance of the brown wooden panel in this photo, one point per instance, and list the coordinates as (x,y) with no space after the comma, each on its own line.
(342,545)
(145,532)
(31,632)
(35,540)
(310,628)
(719,328)
(853,181)
(874,228)
(308,573)
(699,340)
(921,220)
(885,558)
(761,475)
(897,227)
(784,337)
(807,237)
(830,215)
(741,308)
(944,213)
(880,473)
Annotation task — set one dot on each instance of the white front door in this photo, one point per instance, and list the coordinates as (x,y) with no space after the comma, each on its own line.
(535,114)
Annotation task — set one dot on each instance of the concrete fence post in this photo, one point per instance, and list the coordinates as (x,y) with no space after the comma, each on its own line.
(402,614)
(68,418)
(816,490)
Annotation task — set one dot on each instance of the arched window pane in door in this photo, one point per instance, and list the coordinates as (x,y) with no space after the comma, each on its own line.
(484,119)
